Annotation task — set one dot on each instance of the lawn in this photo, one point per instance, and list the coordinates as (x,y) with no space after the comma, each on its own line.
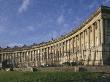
(14,76)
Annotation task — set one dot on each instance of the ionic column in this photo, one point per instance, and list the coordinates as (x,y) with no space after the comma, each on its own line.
(76,47)
(6,55)
(27,58)
(52,53)
(69,53)
(66,48)
(68,42)
(37,55)
(89,37)
(93,35)
(73,44)
(80,42)
(41,54)
(2,57)
(24,56)
(20,57)
(60,51)
(15,59)
(33,55)
(76,44)
(12,56)
(99,31)
(47,53)
(59,48)
(63,49)
(84,39)
(30,55)
(56,52)
(102,30)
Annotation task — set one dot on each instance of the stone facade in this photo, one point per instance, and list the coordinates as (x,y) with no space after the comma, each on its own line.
(88,44)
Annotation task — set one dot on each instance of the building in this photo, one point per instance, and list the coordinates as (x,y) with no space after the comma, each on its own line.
(88,44)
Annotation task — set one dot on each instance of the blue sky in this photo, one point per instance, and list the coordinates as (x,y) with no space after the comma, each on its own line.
(34,21)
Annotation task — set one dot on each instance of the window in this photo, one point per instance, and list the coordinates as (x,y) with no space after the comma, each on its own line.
(77,37)
(81,35)
(87,45)
(96,41)
(90,29)
(95,25)
(86,31)
(92,44)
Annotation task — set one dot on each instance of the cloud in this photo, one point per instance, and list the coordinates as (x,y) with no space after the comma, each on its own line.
(53,34)
(60,19)
(105,1)
(24,6)
(2,29)
(4,44)
(3,22)
(30,28)
(93,4)
(70,11)
(3,19)
(14,44)
(77,21)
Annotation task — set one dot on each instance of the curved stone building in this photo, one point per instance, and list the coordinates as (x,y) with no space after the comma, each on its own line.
(88,44)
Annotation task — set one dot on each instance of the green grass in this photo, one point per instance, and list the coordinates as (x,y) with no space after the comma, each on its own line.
(45,76)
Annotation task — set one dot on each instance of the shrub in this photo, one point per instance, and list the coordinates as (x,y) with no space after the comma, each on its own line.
(35,69)
(73,63)
(66,63)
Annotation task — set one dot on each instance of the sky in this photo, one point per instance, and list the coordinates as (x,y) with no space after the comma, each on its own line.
(24,22)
